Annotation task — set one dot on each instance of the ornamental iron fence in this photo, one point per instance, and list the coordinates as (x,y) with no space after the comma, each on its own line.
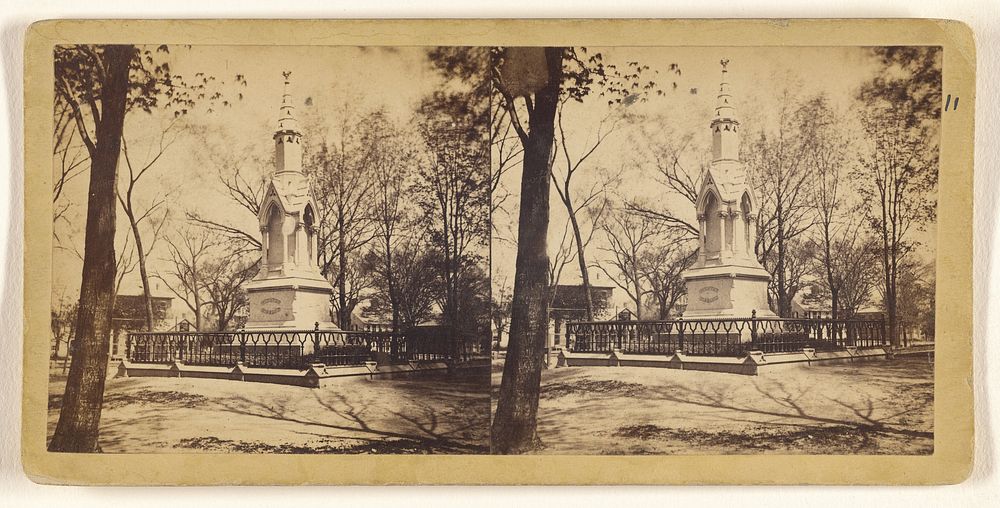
(296,349)
(724,336)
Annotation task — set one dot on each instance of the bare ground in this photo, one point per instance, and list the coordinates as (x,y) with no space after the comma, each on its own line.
(428,413)
(877,407)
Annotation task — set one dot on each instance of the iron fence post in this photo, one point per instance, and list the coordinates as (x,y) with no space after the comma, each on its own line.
(316,339)
(680,334)
(243,348)
(753,330)
(128,347)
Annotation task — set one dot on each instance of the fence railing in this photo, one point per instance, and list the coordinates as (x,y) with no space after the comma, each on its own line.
(724,336)
(293,349)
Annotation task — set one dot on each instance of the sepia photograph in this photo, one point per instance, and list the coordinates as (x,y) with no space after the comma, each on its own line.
(452,252)
(703,250)
(270,249)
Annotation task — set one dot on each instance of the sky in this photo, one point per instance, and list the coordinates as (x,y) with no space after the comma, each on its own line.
(757,75)
(323,79)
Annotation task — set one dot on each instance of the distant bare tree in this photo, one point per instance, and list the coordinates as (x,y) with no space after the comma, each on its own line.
(506,154)
(630,237)
(562,257)
(391,158)
(344,186)
(452,190)
(224,276)
(187,277)
(662,266)
(137,216)
(783,181)
(901,166)
(63,325)
(70,155)
(855,262)
(827,155)
(591,200)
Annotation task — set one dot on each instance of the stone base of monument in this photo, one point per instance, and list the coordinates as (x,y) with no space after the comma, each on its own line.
(289,303)
(751,364)
(730,291)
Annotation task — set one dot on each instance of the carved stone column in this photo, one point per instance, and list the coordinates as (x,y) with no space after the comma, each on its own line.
(702,237)
(301,248)
(313,260)
(723,215)
(739,234)
(263,247)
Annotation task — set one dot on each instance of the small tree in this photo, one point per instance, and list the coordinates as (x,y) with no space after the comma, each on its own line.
(225,276)
(663,266)
(187,277)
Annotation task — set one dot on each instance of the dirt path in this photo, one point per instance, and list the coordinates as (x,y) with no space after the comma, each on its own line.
(882,407)
(429,414)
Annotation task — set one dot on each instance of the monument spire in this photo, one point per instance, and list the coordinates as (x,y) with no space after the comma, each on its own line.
(289,292)
(726,280)
(725,139)
(287,137)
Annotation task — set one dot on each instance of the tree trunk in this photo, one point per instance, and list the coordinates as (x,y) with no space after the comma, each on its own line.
(143,274)
(514,426)
(580,257)
(344,316)
(80,416)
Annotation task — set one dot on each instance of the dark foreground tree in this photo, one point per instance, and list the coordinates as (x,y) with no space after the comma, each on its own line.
(514,424)
(108,77)
(100,85)
(530,83)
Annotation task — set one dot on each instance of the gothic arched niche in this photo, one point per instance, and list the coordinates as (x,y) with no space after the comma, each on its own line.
(275,241)
(309,219)
(713,223)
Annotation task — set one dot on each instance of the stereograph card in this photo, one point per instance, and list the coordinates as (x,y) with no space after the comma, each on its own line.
(498,252)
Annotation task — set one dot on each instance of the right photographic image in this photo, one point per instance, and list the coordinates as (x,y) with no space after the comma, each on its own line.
(714,250)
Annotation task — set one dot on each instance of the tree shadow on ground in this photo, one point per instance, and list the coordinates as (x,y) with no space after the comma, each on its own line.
(418,429)
(788,400)
(887,412)
(435,415)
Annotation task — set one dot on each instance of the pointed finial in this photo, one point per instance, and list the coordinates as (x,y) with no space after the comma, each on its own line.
(286,117)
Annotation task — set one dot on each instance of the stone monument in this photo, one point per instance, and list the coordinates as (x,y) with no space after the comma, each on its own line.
(288,292)
(726,280)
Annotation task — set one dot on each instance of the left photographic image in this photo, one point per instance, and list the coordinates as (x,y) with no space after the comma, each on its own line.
(270,249)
